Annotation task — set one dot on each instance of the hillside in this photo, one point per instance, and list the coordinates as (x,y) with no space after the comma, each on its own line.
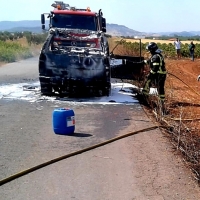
(35,26)
(183,33)
(121,30)
(112,29)
(8,25)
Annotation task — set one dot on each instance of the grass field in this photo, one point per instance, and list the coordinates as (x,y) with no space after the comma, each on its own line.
(159,41)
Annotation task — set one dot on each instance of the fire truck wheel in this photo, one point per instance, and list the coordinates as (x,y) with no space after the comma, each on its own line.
(46,89)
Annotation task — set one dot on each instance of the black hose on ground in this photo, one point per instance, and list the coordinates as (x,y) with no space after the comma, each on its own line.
(27,171)
(184,83)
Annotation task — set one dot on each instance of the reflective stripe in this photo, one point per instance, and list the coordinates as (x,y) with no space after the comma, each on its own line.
(152,72)
(145,90)
(146,93)
(162,96)
(156,63)
(160,60)
(146,87)
(160,71)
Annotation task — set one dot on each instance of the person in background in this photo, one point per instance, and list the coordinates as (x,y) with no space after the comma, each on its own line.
(177,45)
(191,49)
(157,73)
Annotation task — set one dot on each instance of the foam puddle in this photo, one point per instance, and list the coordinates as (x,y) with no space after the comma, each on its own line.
(19,91)
(120,93)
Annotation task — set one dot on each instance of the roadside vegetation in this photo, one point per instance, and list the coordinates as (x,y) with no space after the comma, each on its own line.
(182,97)
(132,47)
(22,45)
(16,46)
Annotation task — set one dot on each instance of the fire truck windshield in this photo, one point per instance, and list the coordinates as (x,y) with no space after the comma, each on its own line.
(74,22)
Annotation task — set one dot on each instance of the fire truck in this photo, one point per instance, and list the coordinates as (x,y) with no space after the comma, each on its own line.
(75,55)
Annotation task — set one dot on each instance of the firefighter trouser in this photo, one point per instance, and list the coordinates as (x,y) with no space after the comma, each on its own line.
(159,80)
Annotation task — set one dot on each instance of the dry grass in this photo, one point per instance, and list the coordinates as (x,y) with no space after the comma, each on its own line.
(155,40)
(182,130)
(2,63)
(33,48)
(22,41)
(181,111)
(121,49)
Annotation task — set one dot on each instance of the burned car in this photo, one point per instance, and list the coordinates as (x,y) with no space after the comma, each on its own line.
(75,55)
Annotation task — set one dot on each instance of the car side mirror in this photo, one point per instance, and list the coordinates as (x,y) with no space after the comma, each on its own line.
(104,29)
(103,24)
(42,19)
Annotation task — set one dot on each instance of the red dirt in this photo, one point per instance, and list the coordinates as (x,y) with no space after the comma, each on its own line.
(183,96)
(182,109)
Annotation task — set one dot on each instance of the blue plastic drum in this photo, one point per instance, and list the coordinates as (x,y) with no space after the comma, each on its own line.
(63,121)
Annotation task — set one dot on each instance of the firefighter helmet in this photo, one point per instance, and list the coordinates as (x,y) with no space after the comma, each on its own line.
(152,47)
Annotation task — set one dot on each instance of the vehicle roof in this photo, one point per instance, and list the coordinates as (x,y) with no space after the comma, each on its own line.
(71,12)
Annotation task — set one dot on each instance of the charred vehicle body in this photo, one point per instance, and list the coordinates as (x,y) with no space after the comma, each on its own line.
(75,55)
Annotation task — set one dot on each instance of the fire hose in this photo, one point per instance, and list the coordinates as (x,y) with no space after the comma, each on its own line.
(178,119)
(120,42)
(184,83)
(27,171)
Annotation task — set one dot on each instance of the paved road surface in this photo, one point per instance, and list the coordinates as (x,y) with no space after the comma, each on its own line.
(139,167)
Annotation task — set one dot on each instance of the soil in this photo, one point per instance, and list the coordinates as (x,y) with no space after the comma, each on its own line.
(182,108)
(183,92)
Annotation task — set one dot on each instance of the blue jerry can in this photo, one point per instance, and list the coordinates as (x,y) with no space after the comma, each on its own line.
(63,121)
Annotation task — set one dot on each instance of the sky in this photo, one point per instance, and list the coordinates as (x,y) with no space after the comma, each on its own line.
(140,15)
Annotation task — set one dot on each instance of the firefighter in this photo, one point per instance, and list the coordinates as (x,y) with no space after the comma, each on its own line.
(157,73)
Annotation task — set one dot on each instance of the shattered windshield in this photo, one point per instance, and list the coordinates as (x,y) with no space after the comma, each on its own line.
(74,22)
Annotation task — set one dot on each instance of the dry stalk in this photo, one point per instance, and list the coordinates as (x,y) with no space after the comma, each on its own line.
(183,135)
(179,131)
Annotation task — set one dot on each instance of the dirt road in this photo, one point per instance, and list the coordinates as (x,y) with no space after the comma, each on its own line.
(140,167)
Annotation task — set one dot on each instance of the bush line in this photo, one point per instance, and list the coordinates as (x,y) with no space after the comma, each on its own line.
(168,50)
(16,46)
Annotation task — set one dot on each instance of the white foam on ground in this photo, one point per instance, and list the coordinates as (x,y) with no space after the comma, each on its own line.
(18,91)
(120,93)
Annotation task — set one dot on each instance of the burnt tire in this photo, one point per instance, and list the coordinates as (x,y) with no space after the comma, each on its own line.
(46,89)
(107,92)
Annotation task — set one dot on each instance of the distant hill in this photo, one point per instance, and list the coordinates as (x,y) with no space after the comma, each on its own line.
(121,30)
(35,26)
(7,25)
(30,29)
(183,33)
(112,29)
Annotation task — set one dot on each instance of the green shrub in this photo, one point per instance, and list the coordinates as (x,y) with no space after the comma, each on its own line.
(12,51)
(168,49)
